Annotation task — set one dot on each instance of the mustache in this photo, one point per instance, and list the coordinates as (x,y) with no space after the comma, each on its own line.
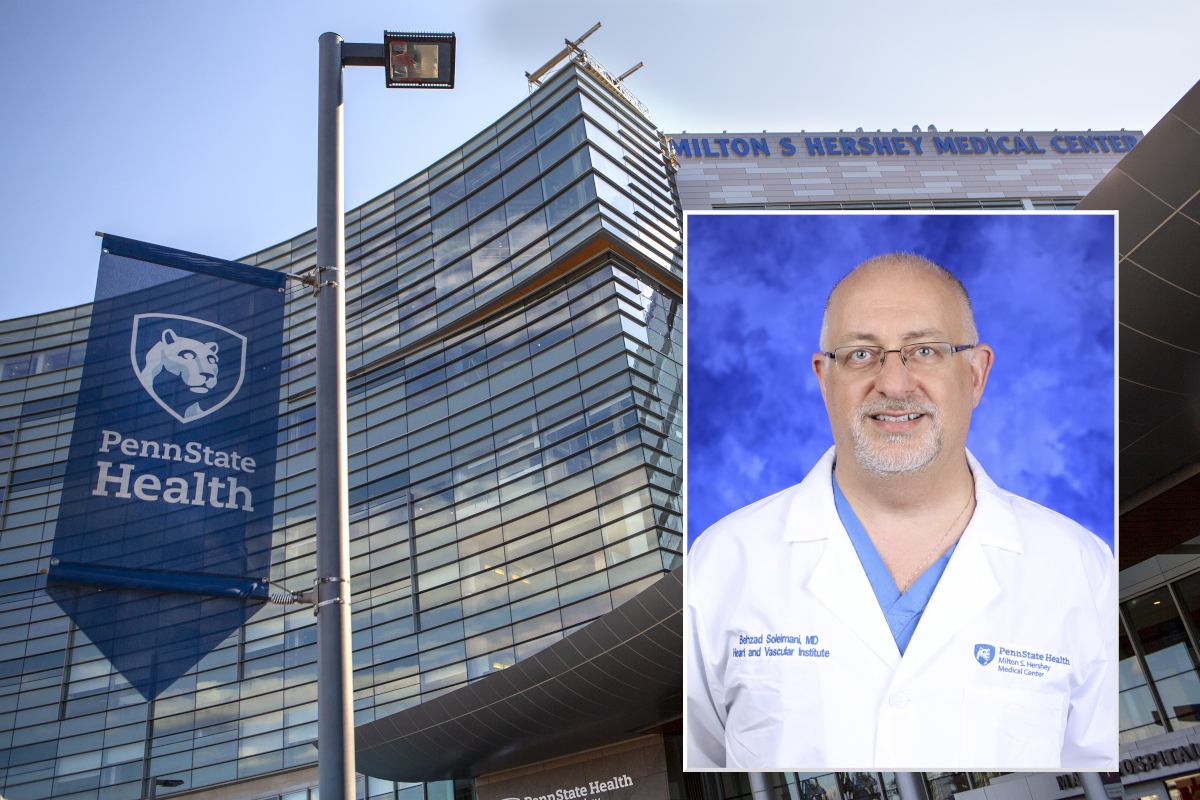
(892,406)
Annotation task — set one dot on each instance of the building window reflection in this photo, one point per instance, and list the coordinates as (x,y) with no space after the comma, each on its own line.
(1139,715)
(1168,654)
(944,785)
(820,787)
(860,786)
(838,785)
(1186,787)
(26,364)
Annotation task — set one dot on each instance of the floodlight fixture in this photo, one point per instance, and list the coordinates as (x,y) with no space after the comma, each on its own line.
(418,60)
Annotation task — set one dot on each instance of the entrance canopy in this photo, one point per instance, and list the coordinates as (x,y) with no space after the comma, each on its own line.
(1156,189)
(621,674)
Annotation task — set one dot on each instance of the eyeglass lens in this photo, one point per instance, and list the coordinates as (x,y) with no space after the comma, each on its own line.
(920,357)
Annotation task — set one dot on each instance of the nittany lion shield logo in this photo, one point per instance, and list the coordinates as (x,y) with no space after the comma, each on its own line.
(984,653)
(191,367)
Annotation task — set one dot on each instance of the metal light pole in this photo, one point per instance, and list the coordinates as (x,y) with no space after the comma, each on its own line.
(911,786)
(413,61)
(335,702)
(760,785)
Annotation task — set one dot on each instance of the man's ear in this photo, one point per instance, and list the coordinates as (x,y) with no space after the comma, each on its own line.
(982,357)
(821,366)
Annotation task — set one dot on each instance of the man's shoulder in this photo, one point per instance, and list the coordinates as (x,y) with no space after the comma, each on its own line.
(1042,530)
(1049,532)
(760,522)
(1064,560)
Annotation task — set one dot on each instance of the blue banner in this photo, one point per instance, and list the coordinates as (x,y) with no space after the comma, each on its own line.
(163,542)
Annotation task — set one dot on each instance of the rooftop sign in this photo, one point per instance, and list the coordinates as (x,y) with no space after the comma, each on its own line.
(817,145)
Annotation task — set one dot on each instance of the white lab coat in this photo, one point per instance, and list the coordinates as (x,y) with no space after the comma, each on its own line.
(1025,585)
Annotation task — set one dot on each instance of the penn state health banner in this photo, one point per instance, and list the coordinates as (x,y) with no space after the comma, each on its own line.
(163,542)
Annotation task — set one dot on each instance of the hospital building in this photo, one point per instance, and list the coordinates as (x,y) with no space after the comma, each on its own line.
(514,335)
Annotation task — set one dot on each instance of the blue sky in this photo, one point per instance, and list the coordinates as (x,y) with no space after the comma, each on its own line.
(193,125)
(1042,289)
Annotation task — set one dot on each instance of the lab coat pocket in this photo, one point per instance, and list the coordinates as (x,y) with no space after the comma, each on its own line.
(774,711)
(1005,728)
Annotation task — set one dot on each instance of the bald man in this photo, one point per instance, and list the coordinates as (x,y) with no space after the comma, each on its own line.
(897,609)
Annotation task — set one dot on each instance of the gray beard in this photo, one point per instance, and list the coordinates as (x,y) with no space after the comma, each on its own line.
(877,458)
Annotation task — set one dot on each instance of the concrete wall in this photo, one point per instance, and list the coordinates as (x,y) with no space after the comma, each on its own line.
(643,760)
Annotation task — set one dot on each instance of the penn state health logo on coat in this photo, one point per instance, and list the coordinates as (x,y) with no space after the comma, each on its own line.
(984,653)
(191,367)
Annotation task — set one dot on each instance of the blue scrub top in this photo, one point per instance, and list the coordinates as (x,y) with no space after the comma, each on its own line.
(902,611)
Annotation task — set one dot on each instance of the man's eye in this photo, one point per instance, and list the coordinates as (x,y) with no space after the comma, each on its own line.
(860,355)
(924,352)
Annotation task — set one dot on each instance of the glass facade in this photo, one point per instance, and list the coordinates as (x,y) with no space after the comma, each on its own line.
(1186,787)
(514,347)
(1159,678)
(838,785)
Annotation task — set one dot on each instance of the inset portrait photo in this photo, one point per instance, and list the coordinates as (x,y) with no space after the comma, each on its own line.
(900,491)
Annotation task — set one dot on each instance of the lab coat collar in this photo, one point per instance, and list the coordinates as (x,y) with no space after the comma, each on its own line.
(838,580)
(994,522)
(812,509)
(840,583)
(812,504)
(969,583)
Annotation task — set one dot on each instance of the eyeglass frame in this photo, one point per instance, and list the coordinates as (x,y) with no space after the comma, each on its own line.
(954,350)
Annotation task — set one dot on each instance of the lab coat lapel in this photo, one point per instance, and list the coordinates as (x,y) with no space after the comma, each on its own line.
(838,581)
(969,583)
(965,589)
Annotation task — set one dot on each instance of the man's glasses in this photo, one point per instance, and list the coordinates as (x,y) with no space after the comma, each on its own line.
(861,359)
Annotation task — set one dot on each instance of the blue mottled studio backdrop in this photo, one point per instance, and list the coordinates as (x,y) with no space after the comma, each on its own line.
(1042,289)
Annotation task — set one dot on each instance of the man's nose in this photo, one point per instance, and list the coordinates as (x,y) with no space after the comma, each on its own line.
(894,378)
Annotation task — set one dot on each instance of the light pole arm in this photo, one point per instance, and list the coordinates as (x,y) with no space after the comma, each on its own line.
(362,55)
